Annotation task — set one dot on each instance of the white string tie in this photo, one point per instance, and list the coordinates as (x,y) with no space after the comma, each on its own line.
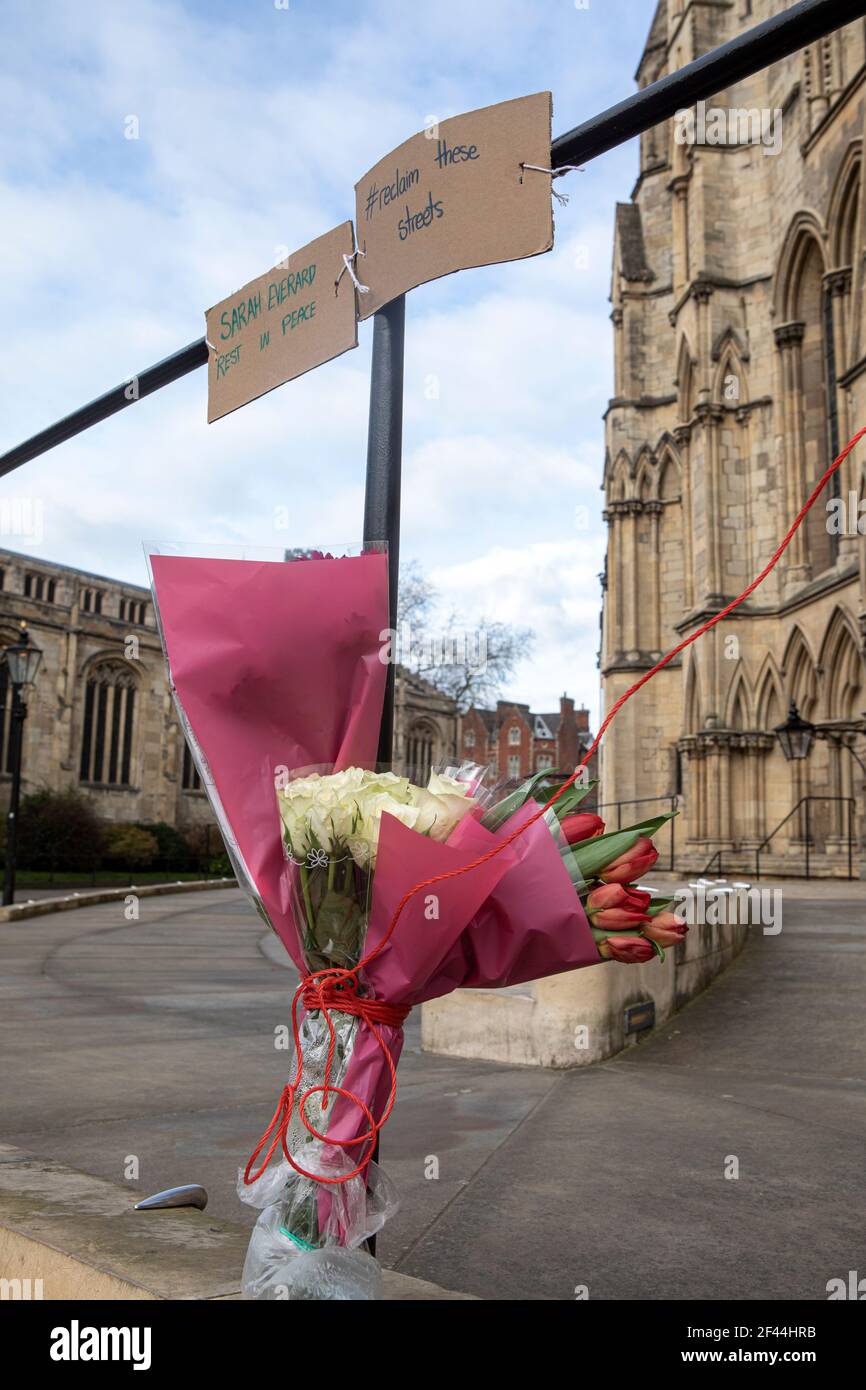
(348,264)
(561,198)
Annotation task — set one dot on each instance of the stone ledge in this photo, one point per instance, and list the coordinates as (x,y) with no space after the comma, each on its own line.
(540,1027)
(80,1236)
(40,907)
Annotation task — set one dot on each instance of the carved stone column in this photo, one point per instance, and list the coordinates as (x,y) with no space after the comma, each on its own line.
(679,187)
(652,511)
(837,283)
(702,291)
(789,340)
(631,578)
(616,319)
(692,759)
(709,418)
(683,435)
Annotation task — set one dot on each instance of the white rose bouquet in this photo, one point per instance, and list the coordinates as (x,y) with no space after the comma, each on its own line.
(331,825)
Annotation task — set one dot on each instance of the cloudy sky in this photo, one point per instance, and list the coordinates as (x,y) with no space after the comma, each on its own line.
(254,123)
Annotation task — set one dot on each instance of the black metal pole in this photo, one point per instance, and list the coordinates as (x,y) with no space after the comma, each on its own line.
(384,465)
(382,492)
(766,43)
(776,38)
(118,398)
(19,714)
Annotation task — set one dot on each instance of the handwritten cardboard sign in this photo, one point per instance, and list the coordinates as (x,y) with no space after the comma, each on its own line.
(281,325)
(455,196)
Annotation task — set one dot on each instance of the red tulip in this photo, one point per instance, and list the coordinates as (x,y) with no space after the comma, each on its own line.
(666,928)
(583,825)
(617,907)
(629,866)
(628,950)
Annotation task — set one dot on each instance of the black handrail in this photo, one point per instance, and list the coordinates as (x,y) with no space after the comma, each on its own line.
(807,838)
(804,801)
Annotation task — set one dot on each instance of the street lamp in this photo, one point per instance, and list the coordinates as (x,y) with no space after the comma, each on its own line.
(22,662)
(795,735)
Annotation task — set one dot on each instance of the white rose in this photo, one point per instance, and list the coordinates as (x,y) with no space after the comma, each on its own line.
(443,785)
(373,806)
(295,832)
(439,811)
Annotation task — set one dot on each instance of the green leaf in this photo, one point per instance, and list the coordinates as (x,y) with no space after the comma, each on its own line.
(659,905)
(339,929)
(539,788)
(499,813)
(594,855)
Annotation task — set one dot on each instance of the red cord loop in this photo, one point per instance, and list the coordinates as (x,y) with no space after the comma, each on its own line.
(337,989)
(324,991)
(345,998)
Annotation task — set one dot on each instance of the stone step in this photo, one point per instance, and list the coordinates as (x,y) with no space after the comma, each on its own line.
(74,1236)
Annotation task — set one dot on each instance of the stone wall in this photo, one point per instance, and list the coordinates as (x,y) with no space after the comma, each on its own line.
(740,371)
(575,1019)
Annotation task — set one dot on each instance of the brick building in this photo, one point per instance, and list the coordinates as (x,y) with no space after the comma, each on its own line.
(518,742)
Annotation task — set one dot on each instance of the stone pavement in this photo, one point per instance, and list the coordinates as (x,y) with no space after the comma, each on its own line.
(155,1039)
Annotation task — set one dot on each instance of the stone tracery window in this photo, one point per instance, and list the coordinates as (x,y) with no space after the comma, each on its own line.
(806,341)
(190,779)
(420,751)
(108,725)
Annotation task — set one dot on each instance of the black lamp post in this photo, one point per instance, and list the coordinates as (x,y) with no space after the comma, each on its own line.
(22,662)
(795,735)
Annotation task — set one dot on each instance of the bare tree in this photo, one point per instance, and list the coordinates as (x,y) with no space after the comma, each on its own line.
(470,662)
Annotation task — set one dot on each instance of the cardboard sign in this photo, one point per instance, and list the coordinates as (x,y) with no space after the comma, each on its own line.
(456,196)
(282,324)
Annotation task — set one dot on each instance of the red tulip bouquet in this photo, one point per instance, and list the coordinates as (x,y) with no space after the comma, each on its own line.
(358,844)
(276,666)
(629,924)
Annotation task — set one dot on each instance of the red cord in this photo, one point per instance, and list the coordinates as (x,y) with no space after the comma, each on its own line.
(337,989)
(326,990)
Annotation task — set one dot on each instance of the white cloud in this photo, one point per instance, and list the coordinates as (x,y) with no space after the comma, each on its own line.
(550,587)
(254,125)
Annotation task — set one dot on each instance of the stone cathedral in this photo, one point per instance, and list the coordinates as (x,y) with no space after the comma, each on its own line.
(740,371)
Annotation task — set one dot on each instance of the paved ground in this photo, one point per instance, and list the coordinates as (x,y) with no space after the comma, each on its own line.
(155,1039)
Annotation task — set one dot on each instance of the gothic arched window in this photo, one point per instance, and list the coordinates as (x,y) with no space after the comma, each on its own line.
(190,780)
(107,732)
(420,749)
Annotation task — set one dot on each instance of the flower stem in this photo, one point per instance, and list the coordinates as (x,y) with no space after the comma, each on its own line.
(308,904)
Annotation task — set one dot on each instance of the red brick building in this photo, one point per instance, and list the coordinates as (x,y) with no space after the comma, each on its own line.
(518,742)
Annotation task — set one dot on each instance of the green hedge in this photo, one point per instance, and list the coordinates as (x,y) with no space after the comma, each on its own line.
(59,832)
